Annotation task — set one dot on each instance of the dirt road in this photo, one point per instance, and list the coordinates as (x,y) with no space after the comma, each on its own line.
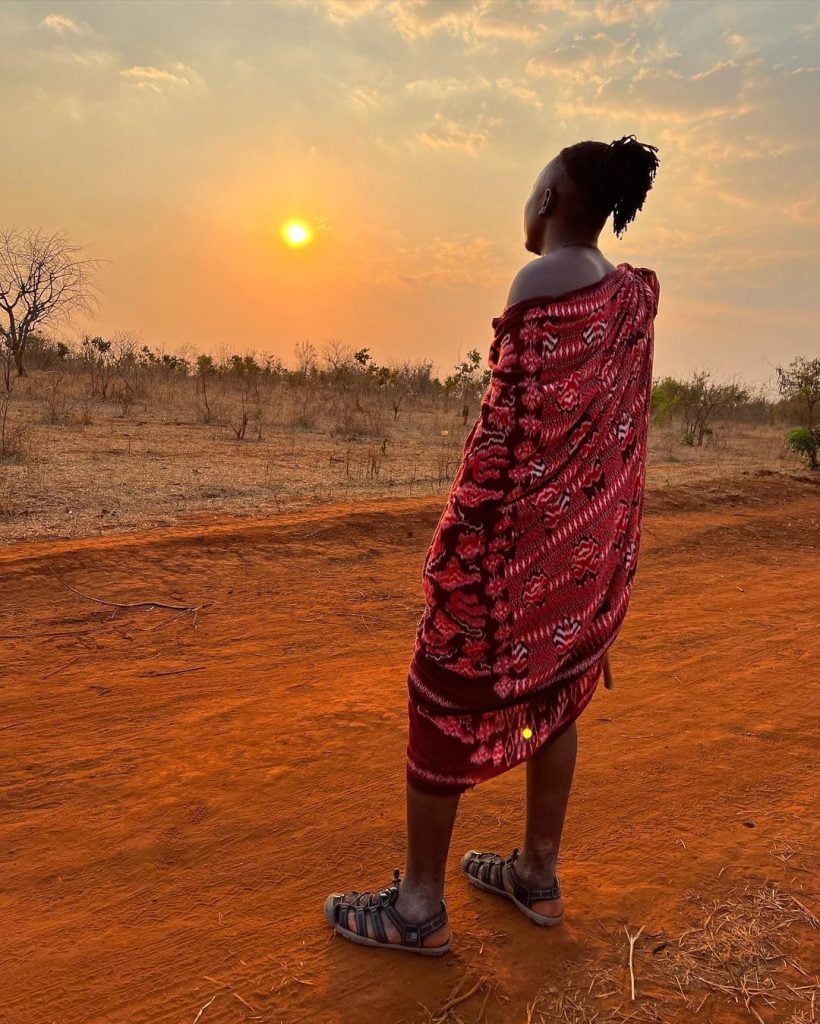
(178,793)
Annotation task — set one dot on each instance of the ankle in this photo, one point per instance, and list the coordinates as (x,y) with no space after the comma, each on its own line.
(537,865)
(421,894)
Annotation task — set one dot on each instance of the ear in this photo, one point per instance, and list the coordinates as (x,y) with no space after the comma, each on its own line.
(542,210)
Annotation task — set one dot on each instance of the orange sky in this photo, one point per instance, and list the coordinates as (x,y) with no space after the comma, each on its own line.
(174,139)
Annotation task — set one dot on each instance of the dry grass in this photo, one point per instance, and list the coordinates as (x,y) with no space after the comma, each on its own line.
(82,465)
(743,952)
(746,954)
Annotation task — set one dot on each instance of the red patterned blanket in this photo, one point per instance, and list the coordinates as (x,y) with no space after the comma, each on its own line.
(530,569)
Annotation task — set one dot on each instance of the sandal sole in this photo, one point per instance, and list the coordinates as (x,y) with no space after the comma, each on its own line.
(540,919)
(364,940)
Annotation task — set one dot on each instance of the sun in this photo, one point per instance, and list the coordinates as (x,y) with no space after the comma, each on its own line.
(296,233)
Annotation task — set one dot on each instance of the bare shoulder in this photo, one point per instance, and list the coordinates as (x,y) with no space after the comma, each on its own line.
(530,279)
(552,276)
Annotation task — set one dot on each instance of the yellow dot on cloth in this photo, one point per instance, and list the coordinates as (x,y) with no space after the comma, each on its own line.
(526,733)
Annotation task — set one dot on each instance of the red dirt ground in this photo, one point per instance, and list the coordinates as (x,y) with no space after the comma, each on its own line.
(177,796)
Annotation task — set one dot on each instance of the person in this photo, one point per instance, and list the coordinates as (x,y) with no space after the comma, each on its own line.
(530,569)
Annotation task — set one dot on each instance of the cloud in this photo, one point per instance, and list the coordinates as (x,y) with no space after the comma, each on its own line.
(480,23)
(633,12)
(161,79)
(343,11)
(459,260)
(448,85)
(449,134)
(605,12)
(809,29)
(666,96)
(587,59)
(95,59)
(60,23)
(363,98)
(522,93)
(803,211)
(739,44)
(416,19)
(503,22)
(474,22)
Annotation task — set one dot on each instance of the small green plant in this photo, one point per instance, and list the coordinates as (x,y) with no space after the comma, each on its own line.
(666,397)
(806,442)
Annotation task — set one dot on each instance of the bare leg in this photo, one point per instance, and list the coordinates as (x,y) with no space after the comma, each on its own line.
(430,822)
(549,780)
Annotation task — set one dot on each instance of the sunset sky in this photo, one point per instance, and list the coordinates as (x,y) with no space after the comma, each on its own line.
(175,140)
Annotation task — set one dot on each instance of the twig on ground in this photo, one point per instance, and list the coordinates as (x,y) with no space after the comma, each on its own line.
(128,604)
(811,918)
(205,1007)
(54,671)
(632,940)
(480,1016)
(455,1000)
(173,672)
(236,995)
(32,636)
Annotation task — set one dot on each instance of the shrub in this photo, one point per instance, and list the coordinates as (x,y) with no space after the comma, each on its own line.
(58,402)
(800,382)
(11,434)
(666,396)
(806,442)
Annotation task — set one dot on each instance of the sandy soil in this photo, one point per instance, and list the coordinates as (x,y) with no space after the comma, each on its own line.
(179,793)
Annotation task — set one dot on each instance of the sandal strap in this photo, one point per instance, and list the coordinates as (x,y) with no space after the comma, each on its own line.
(378,927)
(487,868)
(369,906)
(415,934)
(530,896)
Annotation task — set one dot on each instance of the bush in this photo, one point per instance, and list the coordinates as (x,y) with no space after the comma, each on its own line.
(666,396)
(11,434)
(806,442)
(58,402)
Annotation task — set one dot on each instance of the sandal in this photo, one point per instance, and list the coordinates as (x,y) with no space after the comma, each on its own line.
(368,907)
(485,871)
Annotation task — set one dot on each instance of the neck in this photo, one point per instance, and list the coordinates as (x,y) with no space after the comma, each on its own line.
(559,237)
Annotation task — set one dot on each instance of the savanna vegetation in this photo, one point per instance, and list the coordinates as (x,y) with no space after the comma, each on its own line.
(106,432)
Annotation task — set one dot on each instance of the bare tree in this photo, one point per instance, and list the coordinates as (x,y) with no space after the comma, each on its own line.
(701,401)
(43,280)
(339,357)
(306,358)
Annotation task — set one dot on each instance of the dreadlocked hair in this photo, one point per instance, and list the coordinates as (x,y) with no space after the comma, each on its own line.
(613,178)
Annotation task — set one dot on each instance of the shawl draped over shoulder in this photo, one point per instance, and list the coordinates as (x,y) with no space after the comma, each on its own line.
(530,569)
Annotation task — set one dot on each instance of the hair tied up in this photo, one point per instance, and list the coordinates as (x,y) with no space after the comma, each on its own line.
(627,144)
(627,170)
